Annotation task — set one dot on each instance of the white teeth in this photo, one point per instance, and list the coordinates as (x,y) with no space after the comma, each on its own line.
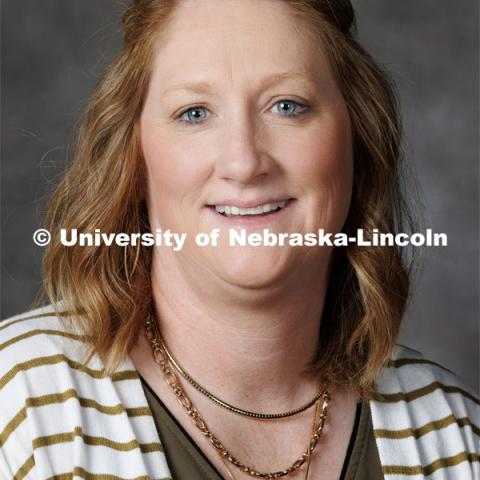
(233,210)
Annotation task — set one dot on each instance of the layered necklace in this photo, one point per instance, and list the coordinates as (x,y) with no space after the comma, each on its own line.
(170,367)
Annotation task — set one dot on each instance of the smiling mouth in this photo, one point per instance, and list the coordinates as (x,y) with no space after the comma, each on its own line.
(259,210)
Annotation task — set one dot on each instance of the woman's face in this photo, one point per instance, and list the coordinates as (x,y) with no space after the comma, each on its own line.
(243,115)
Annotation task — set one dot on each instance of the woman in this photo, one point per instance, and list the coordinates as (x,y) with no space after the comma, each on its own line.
(221,116)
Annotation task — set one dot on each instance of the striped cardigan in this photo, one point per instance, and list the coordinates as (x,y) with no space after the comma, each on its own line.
(60,419)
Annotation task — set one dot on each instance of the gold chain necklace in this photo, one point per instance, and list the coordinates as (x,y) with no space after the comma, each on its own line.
(241,411)
(170,377)
(307,470)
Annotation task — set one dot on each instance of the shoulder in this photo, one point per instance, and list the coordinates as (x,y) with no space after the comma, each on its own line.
(42,349)
(35,349)
(50,396)
(37,354)
(37,336)
(409,376)
(425,419)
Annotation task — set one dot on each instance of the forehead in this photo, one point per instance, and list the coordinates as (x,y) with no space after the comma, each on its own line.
(235,40)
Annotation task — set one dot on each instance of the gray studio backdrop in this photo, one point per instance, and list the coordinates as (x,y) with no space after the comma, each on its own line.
(53,51)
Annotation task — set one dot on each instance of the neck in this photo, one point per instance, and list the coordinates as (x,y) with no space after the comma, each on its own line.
(248,347)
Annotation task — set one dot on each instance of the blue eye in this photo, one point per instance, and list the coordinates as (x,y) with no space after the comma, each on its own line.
(291,112)
(192,115)
(196,114)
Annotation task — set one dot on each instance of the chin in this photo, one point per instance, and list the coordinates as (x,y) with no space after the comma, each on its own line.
(253,267)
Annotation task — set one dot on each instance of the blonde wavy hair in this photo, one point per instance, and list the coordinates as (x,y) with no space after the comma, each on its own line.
(108,289)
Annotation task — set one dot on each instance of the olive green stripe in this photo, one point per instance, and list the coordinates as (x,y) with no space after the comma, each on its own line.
(80,472)
(86,402)
(22,472)
(54,359)
(434,466)
(420,392)
(96,441)
(77,472)
(4,324)
(12,426)
(38,315)
(419,432)
(400,362)
(63,397)
(33,333)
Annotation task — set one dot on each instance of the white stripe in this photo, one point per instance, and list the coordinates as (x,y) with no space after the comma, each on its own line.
(423,410)
(462,471)
(51,419)
(47,380)
(401,351)
(412,377)
(65,456)
(447,444)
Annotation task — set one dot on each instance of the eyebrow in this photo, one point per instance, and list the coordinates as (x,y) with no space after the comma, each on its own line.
(271,80)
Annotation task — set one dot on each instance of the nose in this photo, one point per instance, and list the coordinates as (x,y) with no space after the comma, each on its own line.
(241,157)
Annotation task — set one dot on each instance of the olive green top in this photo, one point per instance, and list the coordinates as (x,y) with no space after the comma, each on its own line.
(187,462)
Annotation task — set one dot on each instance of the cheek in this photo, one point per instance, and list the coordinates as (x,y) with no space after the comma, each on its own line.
(174,167)
(323,173)
(324,157)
